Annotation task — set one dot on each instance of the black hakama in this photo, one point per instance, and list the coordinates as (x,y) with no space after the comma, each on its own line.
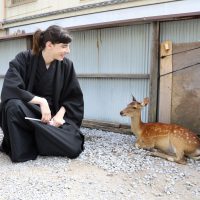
(24,139)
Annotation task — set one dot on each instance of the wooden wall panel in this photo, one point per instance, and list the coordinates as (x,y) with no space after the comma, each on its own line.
(165,90)
(186,86)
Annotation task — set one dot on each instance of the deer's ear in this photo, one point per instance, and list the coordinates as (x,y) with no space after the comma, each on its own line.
(133,98)
(145,101)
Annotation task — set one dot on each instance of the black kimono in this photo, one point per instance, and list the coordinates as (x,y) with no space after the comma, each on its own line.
(25,139)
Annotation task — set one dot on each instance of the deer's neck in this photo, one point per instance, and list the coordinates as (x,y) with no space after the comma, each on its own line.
(136,124)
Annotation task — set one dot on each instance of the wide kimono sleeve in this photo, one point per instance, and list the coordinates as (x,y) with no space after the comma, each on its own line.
(14,83)
(72,96)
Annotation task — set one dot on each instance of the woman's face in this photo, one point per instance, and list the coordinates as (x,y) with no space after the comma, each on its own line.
(58,51)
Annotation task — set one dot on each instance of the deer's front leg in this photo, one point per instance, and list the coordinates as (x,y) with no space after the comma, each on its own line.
(169,157)
(138,143)
(144,144)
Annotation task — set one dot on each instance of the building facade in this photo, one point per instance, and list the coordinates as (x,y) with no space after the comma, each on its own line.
(115,48)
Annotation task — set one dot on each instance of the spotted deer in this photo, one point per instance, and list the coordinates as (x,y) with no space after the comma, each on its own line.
(173,142)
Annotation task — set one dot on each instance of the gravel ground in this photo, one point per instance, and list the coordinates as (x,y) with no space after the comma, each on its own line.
(110,168)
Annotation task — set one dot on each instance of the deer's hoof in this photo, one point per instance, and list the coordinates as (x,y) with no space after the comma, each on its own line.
(137,145)
(183,162)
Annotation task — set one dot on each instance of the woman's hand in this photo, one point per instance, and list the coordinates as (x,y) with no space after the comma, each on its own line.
(44,106)
(45,110)
(58,120)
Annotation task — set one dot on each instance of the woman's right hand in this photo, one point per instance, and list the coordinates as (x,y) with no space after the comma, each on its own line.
(44,107)
(45,111)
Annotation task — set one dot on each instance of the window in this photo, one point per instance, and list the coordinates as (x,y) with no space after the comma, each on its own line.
(20,2)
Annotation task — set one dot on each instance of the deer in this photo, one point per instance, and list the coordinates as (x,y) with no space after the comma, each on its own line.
(168,141)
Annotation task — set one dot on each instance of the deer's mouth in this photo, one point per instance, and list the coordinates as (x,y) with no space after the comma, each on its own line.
(122,113)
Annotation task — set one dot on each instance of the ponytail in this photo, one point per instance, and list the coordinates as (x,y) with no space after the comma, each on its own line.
(37,41)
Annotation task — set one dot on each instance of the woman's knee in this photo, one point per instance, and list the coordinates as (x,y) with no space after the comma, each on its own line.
(74,153)
(13,106)
(77,150)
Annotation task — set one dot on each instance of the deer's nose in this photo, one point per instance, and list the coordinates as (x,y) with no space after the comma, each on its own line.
(121,113)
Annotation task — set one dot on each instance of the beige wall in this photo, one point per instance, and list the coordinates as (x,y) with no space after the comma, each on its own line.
(1,10)
(44,6)
(2,16)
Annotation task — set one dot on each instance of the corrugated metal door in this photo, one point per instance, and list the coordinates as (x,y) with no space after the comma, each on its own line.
(8,50)
(112,64)
(182,31)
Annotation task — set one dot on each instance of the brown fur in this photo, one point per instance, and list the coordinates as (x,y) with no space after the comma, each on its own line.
(174,141)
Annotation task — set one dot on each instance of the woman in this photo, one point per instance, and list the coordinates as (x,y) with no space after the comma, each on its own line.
(42,84)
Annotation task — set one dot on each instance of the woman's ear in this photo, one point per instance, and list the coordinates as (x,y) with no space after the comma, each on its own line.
(49,45)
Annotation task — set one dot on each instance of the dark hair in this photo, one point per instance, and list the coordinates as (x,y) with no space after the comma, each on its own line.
(54,34)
